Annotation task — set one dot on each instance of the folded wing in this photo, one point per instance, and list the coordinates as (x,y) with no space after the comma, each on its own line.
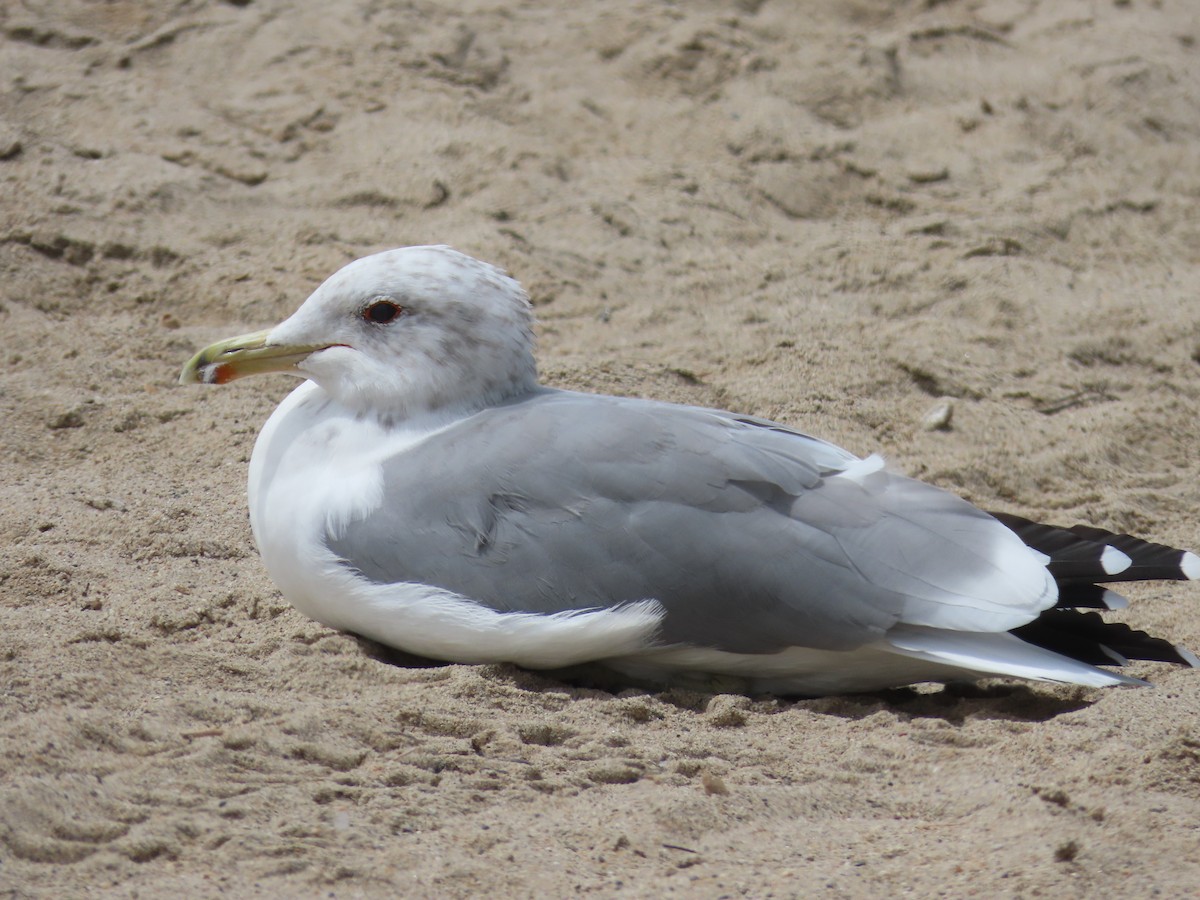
(752,537)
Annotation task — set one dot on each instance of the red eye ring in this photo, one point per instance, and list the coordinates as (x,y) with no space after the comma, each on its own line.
(382,312)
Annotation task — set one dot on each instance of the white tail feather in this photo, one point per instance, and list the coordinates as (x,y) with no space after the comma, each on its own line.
(998,654)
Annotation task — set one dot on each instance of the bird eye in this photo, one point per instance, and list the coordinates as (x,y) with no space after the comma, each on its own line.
(381,312)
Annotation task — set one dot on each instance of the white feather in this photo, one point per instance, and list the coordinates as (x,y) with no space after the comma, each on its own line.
(998,654)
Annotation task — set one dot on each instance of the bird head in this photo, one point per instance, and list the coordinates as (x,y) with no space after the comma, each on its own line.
(396,333)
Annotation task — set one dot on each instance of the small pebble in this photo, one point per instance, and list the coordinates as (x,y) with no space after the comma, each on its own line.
(939,416)
(714,783)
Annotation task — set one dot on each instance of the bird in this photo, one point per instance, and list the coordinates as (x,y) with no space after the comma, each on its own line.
(421,488)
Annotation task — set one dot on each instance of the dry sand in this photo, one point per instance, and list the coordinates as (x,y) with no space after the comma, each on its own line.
(834,214)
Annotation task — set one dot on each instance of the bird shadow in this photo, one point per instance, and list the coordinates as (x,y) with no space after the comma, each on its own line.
(392,657)
(953,703)
(956,703)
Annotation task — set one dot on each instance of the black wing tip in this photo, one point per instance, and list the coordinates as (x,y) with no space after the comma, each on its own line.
(1086,637)
(1083,595)
(1084,553)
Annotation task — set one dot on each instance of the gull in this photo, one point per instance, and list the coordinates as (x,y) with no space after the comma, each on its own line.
(423,490)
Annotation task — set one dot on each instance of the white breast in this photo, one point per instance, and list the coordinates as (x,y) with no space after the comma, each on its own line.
(316,467)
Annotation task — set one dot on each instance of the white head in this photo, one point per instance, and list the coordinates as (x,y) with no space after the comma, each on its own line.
(399,332)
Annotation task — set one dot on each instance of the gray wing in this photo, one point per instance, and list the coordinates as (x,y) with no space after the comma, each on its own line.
(751,536)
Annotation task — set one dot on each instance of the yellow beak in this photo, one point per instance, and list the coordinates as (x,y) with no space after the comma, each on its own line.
(249,354)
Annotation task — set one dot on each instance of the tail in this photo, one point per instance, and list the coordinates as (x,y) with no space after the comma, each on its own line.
(1083,560)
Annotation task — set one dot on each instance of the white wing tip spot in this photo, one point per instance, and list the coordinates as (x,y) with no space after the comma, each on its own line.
(1118,659)
(1113,600)
(1189,656)
(1113,561)
(1189,564)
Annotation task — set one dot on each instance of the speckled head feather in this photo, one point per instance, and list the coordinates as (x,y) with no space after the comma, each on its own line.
(458,333)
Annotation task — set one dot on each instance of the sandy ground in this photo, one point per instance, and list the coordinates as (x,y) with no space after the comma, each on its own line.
(834,214)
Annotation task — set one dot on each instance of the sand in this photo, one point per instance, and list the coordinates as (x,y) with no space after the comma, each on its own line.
(839,215)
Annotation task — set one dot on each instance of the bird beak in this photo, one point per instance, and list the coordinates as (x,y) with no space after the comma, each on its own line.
(249,354)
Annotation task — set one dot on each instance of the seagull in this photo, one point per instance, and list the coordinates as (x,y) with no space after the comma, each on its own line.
(423,490)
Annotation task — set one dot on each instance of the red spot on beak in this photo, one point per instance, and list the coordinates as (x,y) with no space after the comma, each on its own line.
(222,374)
